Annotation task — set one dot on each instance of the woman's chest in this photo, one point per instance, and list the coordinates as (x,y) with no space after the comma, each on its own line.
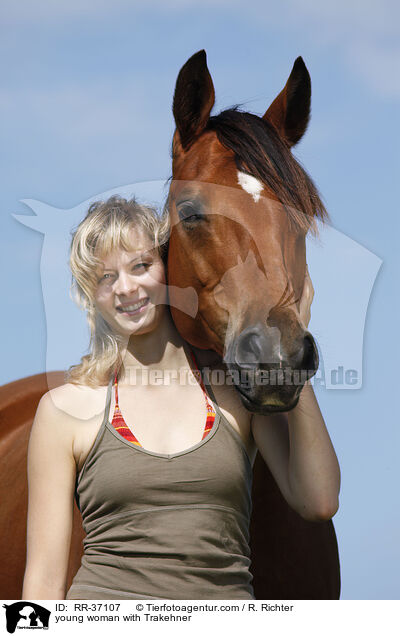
(168,419)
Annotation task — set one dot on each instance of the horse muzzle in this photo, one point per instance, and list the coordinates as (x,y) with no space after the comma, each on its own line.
(269,367)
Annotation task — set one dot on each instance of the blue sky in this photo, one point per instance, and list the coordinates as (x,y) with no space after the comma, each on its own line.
(85,103)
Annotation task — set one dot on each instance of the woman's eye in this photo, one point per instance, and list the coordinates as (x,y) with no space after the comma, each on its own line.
(105,277)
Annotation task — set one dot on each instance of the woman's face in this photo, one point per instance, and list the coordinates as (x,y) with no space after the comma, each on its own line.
(131,292)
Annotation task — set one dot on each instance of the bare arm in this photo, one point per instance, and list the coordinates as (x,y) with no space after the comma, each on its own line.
(298,450)
(297,447)
(51,479)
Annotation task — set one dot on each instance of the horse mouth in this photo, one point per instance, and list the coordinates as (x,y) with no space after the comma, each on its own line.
(268,408)
(271,393)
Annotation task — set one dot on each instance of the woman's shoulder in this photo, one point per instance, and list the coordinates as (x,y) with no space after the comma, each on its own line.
(66,421)
(73,402)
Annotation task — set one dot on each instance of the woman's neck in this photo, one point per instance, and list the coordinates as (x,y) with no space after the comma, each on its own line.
(162,349)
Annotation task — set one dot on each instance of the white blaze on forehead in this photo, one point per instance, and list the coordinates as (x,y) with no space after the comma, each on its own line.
(250,184)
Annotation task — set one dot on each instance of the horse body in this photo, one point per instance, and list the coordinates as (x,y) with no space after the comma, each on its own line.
(18,404)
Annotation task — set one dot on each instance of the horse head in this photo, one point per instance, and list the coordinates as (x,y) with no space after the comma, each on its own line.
(240,207)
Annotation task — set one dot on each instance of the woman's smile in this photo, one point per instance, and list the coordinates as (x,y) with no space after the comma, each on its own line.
(133,308)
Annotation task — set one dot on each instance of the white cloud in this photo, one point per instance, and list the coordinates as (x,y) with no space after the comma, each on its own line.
(84,110)
(371,17)
(39,11)
(364,33)
(379,66)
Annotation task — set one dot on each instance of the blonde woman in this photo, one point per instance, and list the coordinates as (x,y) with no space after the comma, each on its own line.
(160,461)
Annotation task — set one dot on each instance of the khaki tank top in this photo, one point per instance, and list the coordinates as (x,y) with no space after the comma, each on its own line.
(165,526)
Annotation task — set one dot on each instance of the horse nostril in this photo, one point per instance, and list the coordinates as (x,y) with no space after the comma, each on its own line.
(248,349)
(310,355)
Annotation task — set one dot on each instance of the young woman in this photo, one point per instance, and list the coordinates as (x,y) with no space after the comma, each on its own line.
(159,461)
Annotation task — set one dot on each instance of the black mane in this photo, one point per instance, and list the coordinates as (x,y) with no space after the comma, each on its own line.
(261,152)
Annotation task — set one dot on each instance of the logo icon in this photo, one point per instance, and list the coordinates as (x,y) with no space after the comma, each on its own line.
(26,615)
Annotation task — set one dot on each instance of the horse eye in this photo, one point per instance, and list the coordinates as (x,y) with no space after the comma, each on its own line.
(189,212)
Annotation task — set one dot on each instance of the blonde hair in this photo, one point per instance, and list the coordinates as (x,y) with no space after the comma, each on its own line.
(106,227)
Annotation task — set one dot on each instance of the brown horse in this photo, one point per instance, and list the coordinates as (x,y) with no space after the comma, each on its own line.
(215,221)
(240,207)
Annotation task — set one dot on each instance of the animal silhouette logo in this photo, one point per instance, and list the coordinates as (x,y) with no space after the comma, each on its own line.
(26,615)
(343,273)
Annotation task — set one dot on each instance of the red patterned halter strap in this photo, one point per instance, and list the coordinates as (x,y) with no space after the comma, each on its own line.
(121,427)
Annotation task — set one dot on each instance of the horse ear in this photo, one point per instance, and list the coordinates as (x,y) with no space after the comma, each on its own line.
(193,98)
(290,111)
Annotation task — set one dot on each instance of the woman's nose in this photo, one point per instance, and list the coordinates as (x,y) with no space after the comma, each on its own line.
(125,284)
